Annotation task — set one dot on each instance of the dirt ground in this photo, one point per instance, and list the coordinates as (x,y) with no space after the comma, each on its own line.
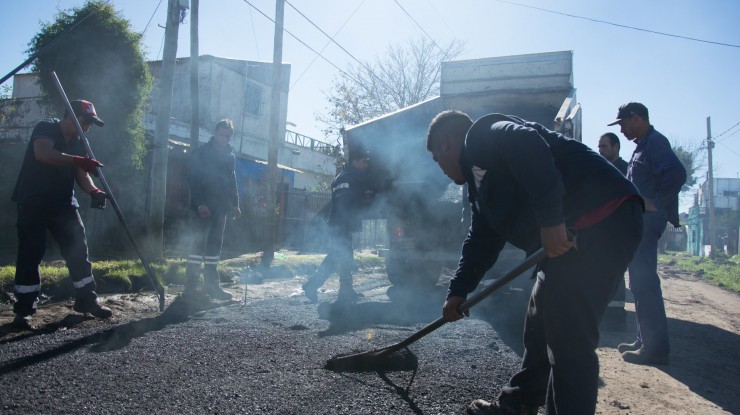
(704,323)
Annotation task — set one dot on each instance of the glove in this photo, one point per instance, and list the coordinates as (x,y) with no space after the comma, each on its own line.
(87,164)
(97,199)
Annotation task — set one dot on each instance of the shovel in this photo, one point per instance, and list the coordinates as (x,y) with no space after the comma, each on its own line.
(388,358)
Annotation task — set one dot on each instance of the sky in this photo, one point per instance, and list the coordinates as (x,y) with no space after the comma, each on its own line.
(681,58)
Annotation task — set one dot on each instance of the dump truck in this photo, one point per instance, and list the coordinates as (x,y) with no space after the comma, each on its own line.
(427,216)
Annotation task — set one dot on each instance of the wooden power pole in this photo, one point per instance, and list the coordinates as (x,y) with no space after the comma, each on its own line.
(160,149)
(272,154)
(710,180)
(194,95)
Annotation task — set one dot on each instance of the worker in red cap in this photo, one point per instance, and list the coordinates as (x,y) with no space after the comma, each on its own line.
(55,160)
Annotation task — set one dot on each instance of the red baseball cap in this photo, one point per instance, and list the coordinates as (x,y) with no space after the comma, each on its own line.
(86,109)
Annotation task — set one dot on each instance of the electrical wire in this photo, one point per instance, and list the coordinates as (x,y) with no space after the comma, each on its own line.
(328,43)
(420,28)
(254,34)
(150,19)
(301,42)
(725,132)
(618,25)
(729,149)
(369,70)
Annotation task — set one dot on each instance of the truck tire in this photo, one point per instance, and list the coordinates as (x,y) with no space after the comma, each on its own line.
(412,272)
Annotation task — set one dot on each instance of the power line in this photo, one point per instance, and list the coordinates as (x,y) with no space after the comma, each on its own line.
(254,34)
(369,70)
(419,26)
(730,150)
(300,41)
(327,43)
(618,25)
(150,19)
(725,132)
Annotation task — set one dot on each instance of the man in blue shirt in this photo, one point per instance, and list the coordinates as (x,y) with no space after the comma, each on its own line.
(659,175)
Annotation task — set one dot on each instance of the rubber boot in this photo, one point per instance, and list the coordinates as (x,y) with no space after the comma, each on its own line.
(211,285)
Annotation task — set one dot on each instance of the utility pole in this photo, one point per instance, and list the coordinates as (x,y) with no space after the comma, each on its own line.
(710,179)
(194,95)
(272,153)
(160,149)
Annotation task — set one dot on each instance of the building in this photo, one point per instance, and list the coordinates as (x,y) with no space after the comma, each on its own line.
(228,88)
(726,214)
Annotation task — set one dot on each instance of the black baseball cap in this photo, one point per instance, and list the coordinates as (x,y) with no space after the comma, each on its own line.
(629,109)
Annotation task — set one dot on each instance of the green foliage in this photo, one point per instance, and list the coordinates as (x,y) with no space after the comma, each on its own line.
(722,271)
(98,57)
(688,158)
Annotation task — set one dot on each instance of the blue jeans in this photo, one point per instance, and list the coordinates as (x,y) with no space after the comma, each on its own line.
(652,324)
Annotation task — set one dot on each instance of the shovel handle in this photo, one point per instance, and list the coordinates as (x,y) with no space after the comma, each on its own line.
(527,263)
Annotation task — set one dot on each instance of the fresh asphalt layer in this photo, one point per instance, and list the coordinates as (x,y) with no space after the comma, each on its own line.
(265,357)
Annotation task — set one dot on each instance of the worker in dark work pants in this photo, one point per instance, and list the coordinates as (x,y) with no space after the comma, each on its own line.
(349,194)
(615,317)
(213,197)
(528,185)
(55,160)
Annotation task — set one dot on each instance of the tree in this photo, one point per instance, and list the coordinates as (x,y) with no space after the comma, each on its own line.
(689,160)
(403,76)
(98,57)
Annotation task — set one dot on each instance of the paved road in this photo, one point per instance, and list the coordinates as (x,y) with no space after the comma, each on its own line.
(262,358)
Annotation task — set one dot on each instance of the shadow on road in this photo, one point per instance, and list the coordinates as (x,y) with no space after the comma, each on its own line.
(112,339)
(705,358)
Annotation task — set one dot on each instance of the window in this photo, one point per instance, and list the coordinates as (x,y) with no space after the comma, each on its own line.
(729,193)
(253,99)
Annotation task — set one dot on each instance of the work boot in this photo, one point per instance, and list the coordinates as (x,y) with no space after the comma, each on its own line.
(629,347)
(642,357)
(481,407)
(215,291)
(23,322)
(88,304)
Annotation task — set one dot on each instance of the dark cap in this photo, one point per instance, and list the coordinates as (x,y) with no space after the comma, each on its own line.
(629,109)
(87,110)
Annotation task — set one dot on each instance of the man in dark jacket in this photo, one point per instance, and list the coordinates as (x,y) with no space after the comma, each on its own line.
(213,196)
(659,175)
(609,148)
(349,192)
(527,185)
(55,159)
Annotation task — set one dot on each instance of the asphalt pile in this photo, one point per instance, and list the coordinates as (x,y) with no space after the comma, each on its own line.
(265,357)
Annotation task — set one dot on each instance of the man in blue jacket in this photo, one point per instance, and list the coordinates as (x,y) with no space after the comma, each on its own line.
(659,176)
(527,185)
(348,196)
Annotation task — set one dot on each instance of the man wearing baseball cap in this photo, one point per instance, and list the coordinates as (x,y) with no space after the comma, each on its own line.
(55,160)
(659,175)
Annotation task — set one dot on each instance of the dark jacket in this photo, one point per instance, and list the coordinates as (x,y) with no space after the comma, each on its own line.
(658,173)
(350,192)
(522,176)
(621,165)
(213,179)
